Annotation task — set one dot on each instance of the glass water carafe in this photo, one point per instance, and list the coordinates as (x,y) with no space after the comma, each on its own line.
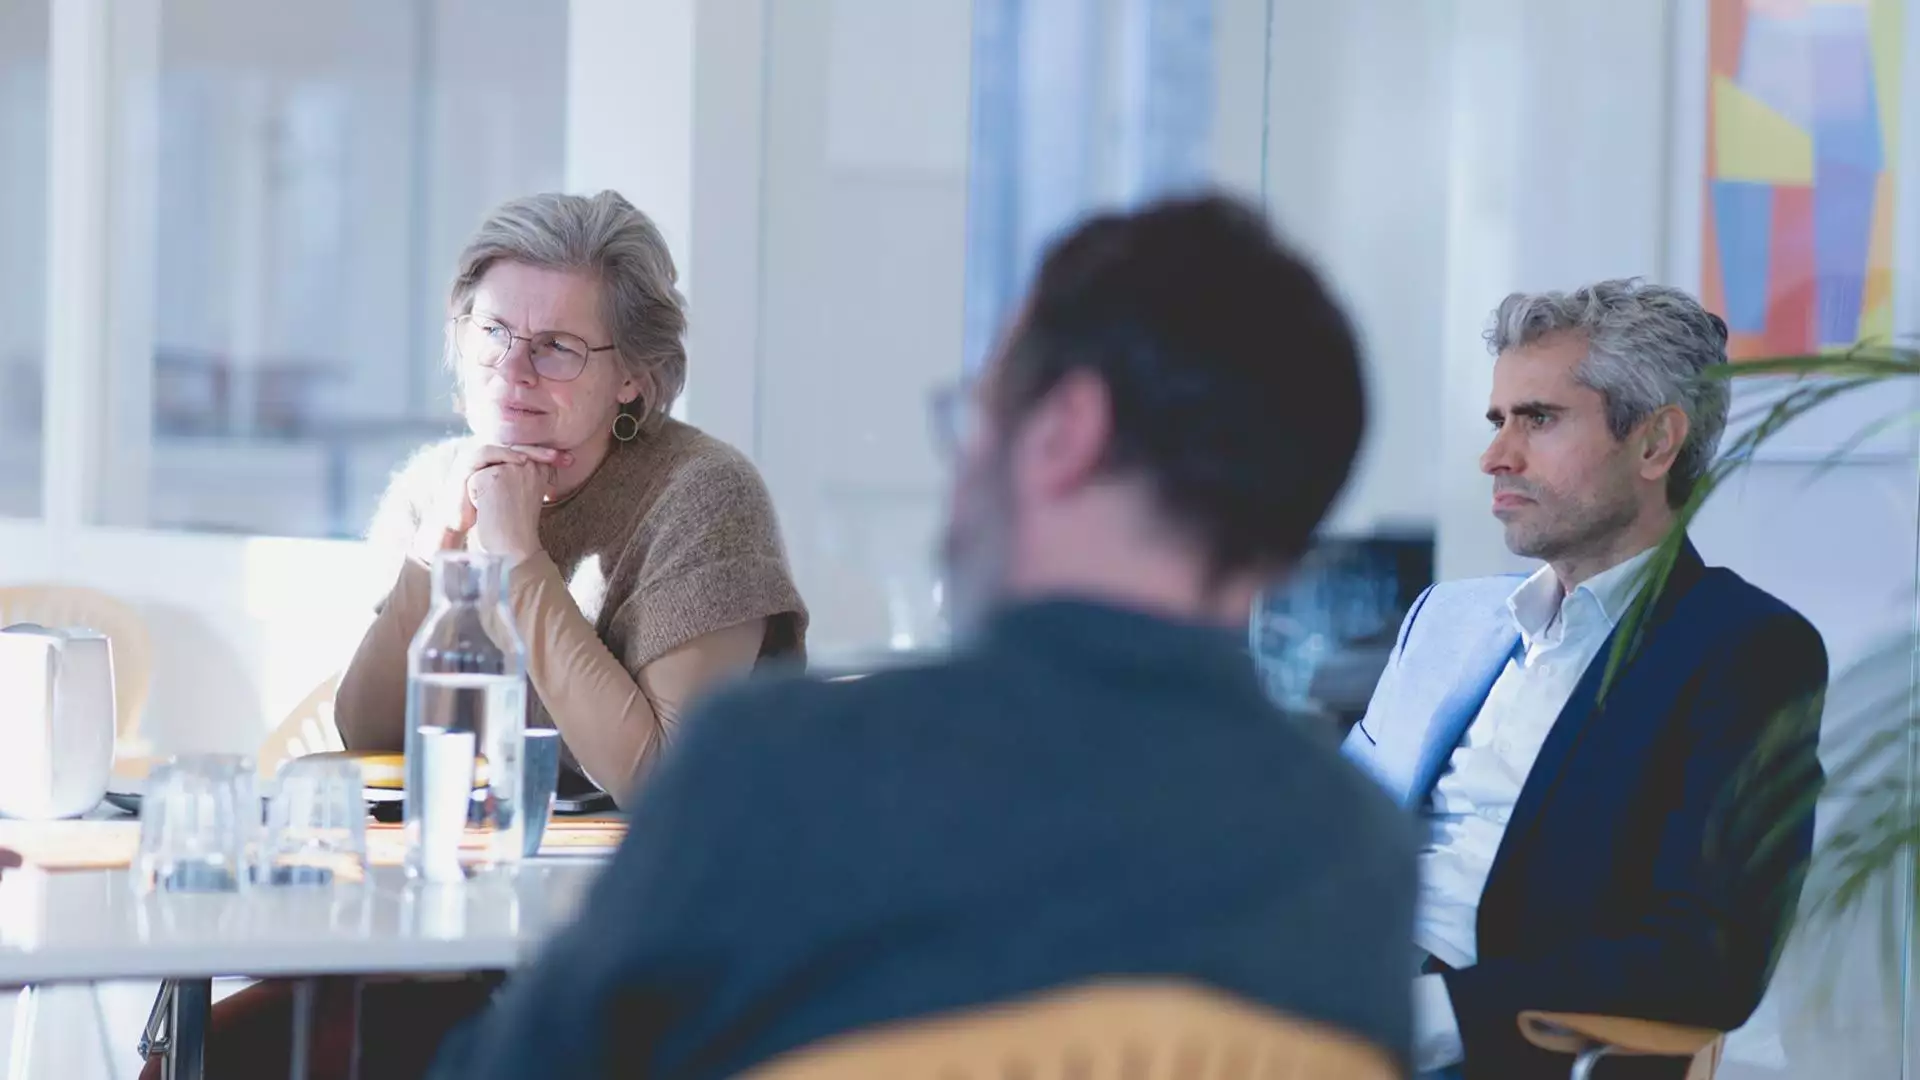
(466,692)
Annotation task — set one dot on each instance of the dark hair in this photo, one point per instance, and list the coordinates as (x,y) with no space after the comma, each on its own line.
(1234,378)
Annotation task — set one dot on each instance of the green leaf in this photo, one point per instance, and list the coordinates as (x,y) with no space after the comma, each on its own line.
(1870,730)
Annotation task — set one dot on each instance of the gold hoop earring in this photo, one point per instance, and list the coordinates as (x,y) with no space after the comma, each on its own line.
(628,431)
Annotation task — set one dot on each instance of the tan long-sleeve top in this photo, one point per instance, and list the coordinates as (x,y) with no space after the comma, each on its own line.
(662,574)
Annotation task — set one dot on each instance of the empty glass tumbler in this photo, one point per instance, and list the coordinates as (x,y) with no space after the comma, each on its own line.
(199,825)
(316,825)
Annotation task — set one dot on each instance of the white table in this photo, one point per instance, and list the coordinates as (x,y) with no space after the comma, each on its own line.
(92,927)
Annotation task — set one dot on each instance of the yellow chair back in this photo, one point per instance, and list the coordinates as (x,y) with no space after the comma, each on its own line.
(1121,1030)
(1618,1036)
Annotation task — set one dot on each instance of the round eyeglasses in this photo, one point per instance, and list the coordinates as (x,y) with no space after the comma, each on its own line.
(557,356)
(953,412)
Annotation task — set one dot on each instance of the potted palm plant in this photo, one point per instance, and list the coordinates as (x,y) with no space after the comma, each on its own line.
(1861,864)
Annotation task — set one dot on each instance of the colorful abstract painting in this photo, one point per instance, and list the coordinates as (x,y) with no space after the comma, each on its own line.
(1802,116)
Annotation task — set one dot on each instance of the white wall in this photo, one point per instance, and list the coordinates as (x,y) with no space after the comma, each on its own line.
(816,208)
(1359,123)
(865,187)
(630,67)
(1557,170)
(1434,157)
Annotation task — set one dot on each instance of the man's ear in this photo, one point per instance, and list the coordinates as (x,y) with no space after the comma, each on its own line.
(1064,437)
(1659,441)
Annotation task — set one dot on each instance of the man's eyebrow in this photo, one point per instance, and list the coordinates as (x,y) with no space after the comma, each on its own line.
(1541,409)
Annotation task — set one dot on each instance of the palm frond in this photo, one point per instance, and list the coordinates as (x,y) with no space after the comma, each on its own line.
(1818,380)
(1870,730)
(1907,418)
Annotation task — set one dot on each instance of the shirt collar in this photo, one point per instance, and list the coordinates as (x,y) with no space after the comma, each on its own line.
(1538,602)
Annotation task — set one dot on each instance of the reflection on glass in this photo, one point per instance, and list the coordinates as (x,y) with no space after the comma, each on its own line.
(434,909)
(316,169)
(874,537)
(1320,639)
(23,907)
(1076,105)
(23,216)
(449,911)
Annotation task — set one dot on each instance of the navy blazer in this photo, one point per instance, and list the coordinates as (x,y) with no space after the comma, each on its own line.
(1635,876)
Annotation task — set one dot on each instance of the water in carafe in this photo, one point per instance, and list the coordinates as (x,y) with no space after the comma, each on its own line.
(466,672)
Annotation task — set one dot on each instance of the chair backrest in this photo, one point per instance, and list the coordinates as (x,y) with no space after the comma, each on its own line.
(1575,1033)
(1122,1030)
(1707,1062)
(71,605)
(308,729)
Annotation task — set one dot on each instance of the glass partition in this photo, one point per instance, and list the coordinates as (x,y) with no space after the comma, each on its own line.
(878,222)
(23,216)
(1078,106)
(316,169)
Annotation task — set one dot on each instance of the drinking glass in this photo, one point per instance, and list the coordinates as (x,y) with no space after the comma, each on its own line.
(541,762)
(441,802)
(199,824)
(316,825)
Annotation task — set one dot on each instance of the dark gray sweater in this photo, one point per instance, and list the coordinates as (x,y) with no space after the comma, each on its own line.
(1086,792)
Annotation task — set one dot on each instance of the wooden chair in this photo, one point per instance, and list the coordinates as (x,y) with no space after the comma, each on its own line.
(71,605)
(1589,1038)
(1122,1030)
(308,729)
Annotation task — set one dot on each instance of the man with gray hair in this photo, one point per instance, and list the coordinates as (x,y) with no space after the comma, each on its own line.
(1589,853)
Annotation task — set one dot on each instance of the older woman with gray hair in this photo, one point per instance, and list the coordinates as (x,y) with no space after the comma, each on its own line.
(646,562)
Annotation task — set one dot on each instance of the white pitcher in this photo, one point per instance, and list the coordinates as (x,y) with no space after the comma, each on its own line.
(56,721)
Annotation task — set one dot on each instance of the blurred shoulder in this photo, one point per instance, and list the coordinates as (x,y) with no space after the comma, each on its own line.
(779,712)
(1374,821)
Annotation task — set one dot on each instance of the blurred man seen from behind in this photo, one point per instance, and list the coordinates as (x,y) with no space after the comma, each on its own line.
(1093,785)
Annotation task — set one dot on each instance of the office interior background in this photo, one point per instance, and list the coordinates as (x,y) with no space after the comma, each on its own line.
(226,229)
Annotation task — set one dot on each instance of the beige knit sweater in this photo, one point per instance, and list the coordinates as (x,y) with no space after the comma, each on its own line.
(662,574)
